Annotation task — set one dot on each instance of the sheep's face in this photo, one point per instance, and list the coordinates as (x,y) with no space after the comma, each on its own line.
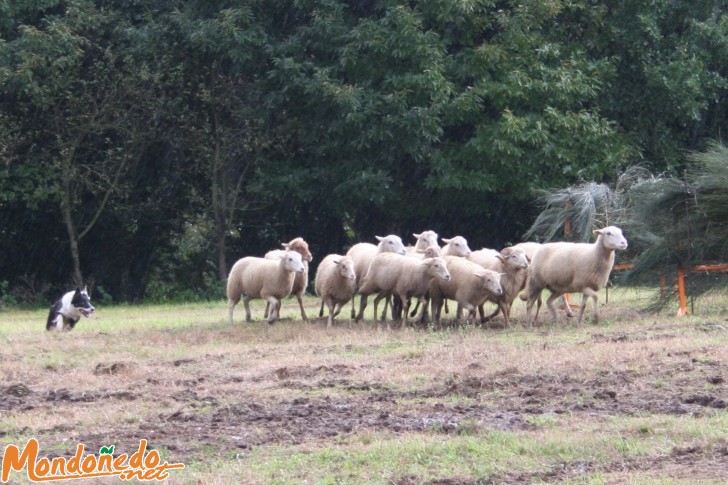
(431,252)
(514,258)
(490,281)
(458,246)
(346,268)
(301,247)
(293,261)
(438,268)
(426,239)
(612,238)
(391,244)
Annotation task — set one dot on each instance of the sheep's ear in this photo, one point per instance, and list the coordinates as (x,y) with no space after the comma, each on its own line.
(500,256)
(480,275)
(446,241)
(597,232)
(528,258)
(337,261)
(417,235)
(286,245)
(379,238)
(420,251)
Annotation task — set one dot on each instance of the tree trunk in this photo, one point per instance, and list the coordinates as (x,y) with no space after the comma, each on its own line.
(72,235)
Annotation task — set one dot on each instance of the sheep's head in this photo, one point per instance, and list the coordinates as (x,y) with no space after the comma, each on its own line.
(346,267)
(490,281)
(514,258)
(458,246)
(430,252)
(301,247)
(611,238)
(437,268)
(293,261)
(391,244)
(426,239)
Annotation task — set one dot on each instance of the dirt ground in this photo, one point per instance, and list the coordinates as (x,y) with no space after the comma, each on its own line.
(203,408)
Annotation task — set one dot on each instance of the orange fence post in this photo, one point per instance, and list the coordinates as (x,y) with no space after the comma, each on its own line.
(681,293)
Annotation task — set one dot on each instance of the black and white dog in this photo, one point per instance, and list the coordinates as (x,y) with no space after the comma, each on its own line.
(69,309)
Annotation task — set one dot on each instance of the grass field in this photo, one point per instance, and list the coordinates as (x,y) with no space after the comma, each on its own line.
(639,398)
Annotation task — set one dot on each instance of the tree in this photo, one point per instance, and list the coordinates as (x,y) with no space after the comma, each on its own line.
(74,105)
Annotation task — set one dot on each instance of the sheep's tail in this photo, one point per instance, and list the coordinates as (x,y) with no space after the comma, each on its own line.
(234,284)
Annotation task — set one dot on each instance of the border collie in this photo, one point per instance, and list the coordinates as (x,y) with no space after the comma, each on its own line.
(69,309)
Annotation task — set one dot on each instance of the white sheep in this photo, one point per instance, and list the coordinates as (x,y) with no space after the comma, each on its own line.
(300,282)
(470,285)
(456,246)
(512,264)
(530,247)
(573,267)
(403,276)
(363,254)
(335,283)
(425,239)
(429,252)
(271,280)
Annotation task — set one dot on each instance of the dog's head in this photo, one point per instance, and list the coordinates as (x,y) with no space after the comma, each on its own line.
(82,302)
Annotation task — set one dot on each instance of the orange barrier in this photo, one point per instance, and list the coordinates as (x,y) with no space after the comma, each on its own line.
(682,296)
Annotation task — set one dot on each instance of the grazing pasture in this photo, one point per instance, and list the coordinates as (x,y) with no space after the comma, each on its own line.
(639,398)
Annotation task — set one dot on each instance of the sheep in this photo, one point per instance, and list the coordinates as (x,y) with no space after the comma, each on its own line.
(573,267)
(403,276)
(363,254)
(531,247)
(335,283)
(512,264)
(425,240)
(470,285)
(301,280)
(456,246)
(429,252)
(272,280)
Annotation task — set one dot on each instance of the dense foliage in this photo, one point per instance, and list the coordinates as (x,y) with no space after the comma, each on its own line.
(147,146)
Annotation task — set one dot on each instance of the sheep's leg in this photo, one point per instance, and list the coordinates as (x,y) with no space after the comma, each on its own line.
(503,306)
(405,310)
(588,292)
(481,312)
(550,304)
(436,308)
(362,306)
(417,307)
(533,298)
(422,316)
(353,308)
(387,303)
(566,305)
(267,310)
(321,310)
(376,304)
(231,307)
(489,317)
(275,310)
(332,312)
(337,309)
(246,302)
(300,305)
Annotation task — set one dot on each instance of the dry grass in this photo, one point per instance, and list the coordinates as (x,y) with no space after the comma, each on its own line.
(638,399)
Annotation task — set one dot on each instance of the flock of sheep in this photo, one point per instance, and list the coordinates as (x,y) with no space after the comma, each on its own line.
(430,274)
